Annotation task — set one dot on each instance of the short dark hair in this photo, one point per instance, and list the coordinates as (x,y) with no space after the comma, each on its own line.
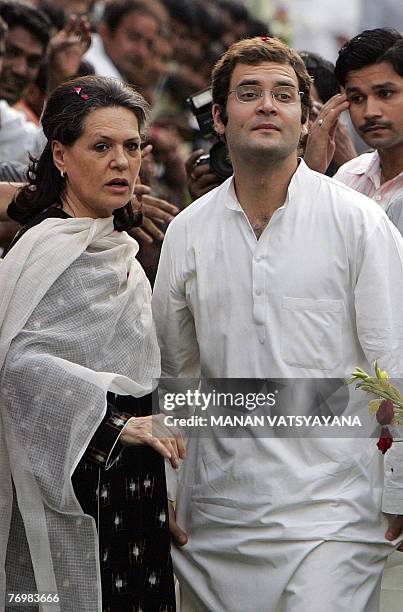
(63,120)
(116,10)
(322,73)
(369,47)
(255,51)
(19,14)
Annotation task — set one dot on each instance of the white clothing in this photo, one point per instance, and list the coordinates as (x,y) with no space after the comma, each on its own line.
(311,576)
(364,174)
(53,390)
(310,298)
(98,57)
(18,136)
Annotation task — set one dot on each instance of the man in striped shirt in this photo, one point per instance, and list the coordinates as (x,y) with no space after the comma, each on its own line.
(370,69)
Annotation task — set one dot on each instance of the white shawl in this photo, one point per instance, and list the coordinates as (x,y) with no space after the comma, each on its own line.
(75,323)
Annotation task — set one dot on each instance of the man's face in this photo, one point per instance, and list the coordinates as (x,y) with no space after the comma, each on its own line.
(131,46)
(375,94)
(264,127)
(23,54)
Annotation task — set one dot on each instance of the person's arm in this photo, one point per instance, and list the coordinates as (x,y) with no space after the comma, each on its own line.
(173,319)
(345,149)
(7,193)
(66,50)
(379,314)
(104,447)
(176,336)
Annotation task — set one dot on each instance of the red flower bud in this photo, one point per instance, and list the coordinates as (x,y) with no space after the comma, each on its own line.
(385,441)
(385,413)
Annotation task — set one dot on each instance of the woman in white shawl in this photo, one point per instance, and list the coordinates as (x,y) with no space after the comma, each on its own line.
(77,335)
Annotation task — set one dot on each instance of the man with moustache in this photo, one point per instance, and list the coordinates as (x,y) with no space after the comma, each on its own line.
(125,41)
(370,69)
(280,272)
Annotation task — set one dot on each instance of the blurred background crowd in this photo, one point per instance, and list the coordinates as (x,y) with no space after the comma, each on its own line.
(166,49)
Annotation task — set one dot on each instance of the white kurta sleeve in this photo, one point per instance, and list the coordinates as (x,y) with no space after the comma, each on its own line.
(174,323)
(173,318)
(379,315)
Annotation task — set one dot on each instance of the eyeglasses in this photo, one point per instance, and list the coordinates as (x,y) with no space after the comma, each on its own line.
(282,94)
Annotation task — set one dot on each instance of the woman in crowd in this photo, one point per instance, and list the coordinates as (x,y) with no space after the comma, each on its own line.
(82,509)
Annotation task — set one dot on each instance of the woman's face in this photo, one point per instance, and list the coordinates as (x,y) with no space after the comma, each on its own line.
(101,167)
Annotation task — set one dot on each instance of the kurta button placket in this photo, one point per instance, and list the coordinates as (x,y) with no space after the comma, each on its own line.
(259,297)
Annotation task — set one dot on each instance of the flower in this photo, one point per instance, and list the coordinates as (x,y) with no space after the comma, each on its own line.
(380,374)
(388,407)
(385,412)
(385,440)
(374,406)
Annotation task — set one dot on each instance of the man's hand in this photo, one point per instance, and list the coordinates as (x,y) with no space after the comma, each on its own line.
(155,210)
(395,528)
(66,49)
(199,176)
(179,537)
(321,144)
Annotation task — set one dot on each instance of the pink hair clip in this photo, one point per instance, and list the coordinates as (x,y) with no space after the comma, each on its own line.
(82,95)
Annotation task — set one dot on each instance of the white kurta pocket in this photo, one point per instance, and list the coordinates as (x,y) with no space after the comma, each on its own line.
(311,332)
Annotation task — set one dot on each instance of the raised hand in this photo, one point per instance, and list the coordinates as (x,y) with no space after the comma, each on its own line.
(321,141)
(66,50)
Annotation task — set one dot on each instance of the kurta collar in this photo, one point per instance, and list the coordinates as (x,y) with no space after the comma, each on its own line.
(298,178)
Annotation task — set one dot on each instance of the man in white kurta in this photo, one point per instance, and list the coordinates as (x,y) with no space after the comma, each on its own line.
(279,525)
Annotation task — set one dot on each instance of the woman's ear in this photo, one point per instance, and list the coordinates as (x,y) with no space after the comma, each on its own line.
(58,150)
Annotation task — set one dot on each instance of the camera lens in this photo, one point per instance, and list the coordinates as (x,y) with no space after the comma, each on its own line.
(220,162)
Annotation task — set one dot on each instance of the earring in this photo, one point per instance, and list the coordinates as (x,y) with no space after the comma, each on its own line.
(62,174)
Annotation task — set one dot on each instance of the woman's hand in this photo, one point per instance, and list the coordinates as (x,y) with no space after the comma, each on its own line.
(152,431)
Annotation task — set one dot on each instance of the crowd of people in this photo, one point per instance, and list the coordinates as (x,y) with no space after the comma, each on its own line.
(181,147)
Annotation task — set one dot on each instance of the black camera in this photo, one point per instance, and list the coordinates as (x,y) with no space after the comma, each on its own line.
(201,104)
